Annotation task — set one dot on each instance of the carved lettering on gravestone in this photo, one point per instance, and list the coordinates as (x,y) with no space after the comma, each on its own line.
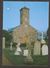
(44,50)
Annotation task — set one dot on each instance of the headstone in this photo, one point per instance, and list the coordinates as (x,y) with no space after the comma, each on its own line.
(11,46)
(3,42)
(25,53)
(37,48)
(17,52)
(18,49)
(44,50)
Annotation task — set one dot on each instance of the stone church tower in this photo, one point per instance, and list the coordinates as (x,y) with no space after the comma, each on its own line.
(24,16)
(24,30)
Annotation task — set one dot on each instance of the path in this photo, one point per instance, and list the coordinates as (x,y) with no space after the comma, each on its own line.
(5,61)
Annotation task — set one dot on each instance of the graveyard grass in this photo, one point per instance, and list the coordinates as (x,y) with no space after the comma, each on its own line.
(19,60)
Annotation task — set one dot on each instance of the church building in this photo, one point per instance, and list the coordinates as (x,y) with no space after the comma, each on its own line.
(24,32)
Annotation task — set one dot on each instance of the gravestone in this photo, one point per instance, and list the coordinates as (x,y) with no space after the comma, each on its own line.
(18,49)
(25,53)
(37,48)
(44,50)
(3,42)
(11,46)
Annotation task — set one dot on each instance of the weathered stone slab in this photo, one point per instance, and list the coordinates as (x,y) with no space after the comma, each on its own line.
(37,48)
(18,49)
(25,53)
(44,50)
(3,42)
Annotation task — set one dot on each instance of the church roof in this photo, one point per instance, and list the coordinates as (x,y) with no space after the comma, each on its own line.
(18,27)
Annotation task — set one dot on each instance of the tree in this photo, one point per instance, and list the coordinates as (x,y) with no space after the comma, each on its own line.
(8,37)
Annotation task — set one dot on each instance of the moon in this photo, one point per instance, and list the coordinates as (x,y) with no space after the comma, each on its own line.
(8,8)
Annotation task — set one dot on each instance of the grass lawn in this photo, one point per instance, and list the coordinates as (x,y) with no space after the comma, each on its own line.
(19,60)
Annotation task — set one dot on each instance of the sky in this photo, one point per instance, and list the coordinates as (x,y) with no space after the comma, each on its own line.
(38,14)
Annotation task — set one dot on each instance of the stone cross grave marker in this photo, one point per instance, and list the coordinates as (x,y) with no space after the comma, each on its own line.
(11,46)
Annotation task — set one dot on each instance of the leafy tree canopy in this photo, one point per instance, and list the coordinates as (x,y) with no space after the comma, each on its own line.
(7,35)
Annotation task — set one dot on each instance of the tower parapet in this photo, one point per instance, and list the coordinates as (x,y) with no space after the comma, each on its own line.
(24,15)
